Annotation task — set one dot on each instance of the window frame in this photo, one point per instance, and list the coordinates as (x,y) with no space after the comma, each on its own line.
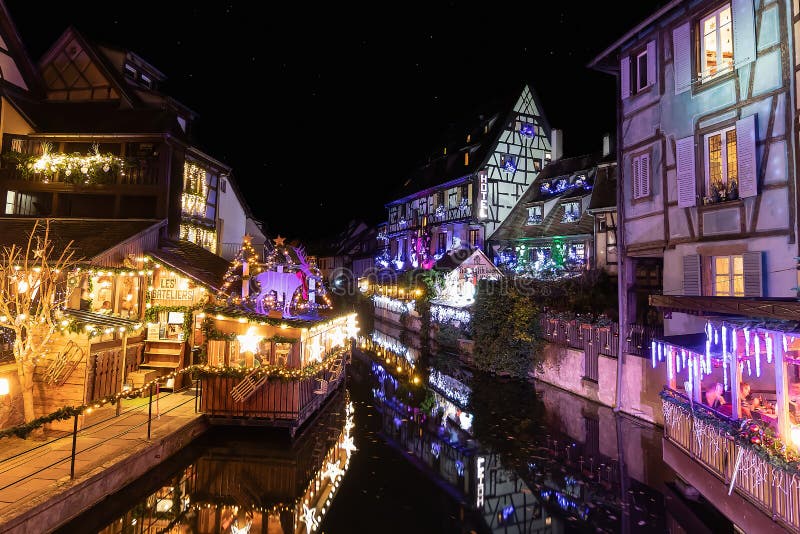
(638,156)
(579,211)
(638,71)
(702,77)
(732,275)
(540,208)
(724,152)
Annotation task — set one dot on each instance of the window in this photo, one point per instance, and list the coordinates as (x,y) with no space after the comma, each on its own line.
(466,158)
(130,71)
(534,215)
(11,197)
(146,80)
(526,129)
(224,186)
(640,175)
(439,198)
(547,157)
(716,42)
(641,71)
(537,164)
(508,163)
(721,170)
(729,276)
(474,234)
(465,192)
(572,212)
(442,244)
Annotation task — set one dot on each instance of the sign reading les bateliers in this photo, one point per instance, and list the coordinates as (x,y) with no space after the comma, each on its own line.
(168,290)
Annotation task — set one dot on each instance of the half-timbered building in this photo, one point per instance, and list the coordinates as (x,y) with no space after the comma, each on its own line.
(564,224)
(462,195)
(707,120)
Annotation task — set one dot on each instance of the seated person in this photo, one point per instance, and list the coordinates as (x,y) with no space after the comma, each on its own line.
(747,401)
(106,307)
(714,396)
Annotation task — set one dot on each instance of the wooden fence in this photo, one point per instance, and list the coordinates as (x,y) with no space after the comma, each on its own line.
(104,376)
(774,490)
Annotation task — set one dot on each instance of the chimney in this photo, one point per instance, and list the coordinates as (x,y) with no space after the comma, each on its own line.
(556,144)
(607,145)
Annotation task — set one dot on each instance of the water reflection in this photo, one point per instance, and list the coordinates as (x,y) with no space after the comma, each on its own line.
(251,483)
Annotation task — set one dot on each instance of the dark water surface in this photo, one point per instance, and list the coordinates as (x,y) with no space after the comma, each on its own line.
(453,453)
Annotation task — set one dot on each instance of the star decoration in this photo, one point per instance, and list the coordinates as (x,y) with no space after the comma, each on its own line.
(348,445)
(309,517)
(279,241)
(333,471)
(38,253)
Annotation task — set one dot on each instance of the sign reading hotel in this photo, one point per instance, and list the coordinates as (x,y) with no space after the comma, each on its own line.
(483,198)
(168,290)
(480,488)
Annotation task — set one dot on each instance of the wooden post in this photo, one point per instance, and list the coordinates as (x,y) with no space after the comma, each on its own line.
(781,389)
(74,445)
(122,369)
(736,379)
(150,412)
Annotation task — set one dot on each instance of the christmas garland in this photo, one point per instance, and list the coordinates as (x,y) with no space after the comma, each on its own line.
(757,436)
(259,318)
(273,372)
(211,332)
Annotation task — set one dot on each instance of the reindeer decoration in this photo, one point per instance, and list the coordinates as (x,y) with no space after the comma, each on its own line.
(286,284)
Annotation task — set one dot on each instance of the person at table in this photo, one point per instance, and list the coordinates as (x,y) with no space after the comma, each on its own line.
(714,396)
(748,401)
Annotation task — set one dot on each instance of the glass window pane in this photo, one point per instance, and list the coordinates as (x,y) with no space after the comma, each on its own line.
(738,265)
(726,45)
(709,25)
(738,286)
(722,265)
(730,142)
(710,59)
(725,17)
(714,159)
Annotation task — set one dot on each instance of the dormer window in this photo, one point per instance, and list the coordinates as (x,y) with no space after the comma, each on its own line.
(534,215)
(572,211)
(508,163)
(146,81)
(130,72)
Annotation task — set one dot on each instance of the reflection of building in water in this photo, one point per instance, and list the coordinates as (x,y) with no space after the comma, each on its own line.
(393,344)
(247,486)
(441,444)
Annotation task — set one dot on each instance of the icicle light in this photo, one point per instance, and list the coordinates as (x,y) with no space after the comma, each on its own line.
(758,356)
(770,348)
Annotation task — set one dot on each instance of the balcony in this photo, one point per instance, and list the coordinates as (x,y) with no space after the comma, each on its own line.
(708,439)
(769,308)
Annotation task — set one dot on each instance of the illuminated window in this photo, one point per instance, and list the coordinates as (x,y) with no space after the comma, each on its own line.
(534,215)
(474,235)
(466,158)
(11,197)
(572,212)
(728,276)
(716,42)
(641,71)
(720,156)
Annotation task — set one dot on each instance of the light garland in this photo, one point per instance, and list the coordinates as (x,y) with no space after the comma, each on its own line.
(393,305)
(94,168)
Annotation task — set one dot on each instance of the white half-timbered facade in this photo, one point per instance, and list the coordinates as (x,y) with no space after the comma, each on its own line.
(462,195)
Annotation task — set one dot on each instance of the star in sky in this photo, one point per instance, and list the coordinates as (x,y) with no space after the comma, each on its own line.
(279,241)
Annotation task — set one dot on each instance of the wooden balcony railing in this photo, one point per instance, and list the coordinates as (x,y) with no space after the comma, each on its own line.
(774,490)
(771,308)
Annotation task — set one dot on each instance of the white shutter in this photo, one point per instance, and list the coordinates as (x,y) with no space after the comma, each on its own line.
(691,274)
(625,77)
(644,176)
(744,33)
(682,57)
(687,184)
(651,63)
(635,177)
(746,169)
(753,274)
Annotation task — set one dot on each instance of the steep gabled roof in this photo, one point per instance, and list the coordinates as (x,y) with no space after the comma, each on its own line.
(90,237)
(484,125)
(15,59)
(604,195)
(193,261)
(563,178)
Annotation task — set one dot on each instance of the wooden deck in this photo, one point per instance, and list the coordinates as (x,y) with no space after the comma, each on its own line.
(278,403)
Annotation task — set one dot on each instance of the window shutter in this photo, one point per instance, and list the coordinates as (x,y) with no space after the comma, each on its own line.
(753,274)
(687,185)
(651,63)
(644,176)
(744,33)
(691,274)
(746,169)
(635,176)
(682,57)
(625,77)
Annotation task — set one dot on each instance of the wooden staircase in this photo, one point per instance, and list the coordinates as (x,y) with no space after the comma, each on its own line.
(249,384)
(63,365)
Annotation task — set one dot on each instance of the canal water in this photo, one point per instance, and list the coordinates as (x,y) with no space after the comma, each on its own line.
(424,450)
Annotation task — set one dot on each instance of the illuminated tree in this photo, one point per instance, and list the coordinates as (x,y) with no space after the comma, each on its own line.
(244,265)
(32,291)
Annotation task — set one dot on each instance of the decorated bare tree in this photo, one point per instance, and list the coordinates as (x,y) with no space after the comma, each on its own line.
(32,289)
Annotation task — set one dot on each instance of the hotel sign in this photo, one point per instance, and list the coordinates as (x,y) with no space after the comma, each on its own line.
(168,290)
(479,471)
(483,195)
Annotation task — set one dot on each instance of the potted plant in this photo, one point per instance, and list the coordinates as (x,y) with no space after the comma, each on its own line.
(733,189)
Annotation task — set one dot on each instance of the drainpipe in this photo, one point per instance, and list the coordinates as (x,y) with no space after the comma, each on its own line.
(622,264)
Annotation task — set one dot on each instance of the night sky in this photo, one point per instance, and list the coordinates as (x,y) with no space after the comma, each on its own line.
(355,96)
